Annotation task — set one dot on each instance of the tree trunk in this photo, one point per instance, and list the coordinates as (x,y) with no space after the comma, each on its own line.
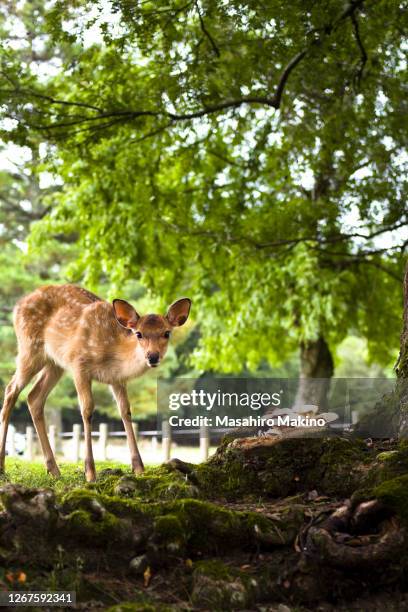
(316,370)
(402,367)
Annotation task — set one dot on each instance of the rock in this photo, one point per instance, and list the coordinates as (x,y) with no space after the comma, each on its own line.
(109,472)
(127,485)
(181,466)
(219,594)
(217,586)
(30,505)
(138,565)
(184,468)
(97,509)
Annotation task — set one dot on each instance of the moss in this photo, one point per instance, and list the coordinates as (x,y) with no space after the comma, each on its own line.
(213,568)
(82,525)
(163,482)
(168,527)
(169,534)
(156,484)
(181,525)
(208,528)
(218,587)
(121,507)
(230,481)
(175,527)
(343,449)
(386,483)
(34,474)
(394,493)
(92,501)
(388,465)
(343,466)
(396,461)
(331,465)
(386,455)
(106,484)
(97,519)
(79,497)
(202,525)
(287,465)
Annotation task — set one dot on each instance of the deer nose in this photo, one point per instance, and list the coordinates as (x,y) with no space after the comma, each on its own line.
(153,358)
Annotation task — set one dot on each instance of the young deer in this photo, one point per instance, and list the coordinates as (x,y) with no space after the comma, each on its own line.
(68,328)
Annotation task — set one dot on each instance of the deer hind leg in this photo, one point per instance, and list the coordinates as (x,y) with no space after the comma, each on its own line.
(26,370)
(122,400)
(47,380)
(84,389)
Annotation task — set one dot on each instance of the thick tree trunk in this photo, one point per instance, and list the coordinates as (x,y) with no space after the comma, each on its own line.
(402,367)
(316,370)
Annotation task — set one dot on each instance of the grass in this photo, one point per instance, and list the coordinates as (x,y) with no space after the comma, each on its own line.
(34,474)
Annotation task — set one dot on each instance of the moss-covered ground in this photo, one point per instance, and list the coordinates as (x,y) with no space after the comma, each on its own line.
(251,529)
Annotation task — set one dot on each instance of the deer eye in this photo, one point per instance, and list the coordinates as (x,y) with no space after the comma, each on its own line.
(167,334)
(138,334)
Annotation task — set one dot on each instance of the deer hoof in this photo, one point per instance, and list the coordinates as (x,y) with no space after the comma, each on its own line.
(54,471)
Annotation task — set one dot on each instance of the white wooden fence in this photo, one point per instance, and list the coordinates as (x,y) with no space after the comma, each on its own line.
(104,435)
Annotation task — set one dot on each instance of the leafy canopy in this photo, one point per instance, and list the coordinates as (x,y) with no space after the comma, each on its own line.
(247,154)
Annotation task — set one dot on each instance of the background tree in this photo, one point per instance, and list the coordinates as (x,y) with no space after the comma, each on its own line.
(246,154)
(26,190)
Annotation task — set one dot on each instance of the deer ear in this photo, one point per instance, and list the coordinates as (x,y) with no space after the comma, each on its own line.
(125,314)
(178,312)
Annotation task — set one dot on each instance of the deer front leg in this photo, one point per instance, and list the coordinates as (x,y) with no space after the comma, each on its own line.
(10,398)
(83,386)
(122,400)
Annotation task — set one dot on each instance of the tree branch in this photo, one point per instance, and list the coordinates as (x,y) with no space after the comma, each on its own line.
(370,262)
(205,31)
(31,93)
(333,239)
(285,75)
(361,255)
(316,243)
(364,56)
(273,101)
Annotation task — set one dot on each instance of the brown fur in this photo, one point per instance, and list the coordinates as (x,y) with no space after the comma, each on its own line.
(69,328)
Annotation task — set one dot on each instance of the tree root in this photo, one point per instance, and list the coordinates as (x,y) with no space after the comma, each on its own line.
(366,535)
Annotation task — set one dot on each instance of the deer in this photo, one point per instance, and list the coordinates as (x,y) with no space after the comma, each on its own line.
(65,328)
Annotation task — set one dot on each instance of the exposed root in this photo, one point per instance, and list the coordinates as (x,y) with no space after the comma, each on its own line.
(353,538)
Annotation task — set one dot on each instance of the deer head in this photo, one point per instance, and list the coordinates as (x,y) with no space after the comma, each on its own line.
(152,331)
